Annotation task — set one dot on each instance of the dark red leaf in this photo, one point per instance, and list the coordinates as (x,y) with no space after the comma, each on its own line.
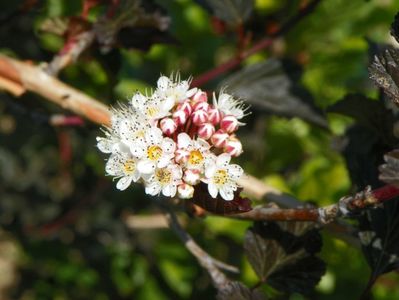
(218,205)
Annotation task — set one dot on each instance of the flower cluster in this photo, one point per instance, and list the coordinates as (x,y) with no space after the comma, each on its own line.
(173,139)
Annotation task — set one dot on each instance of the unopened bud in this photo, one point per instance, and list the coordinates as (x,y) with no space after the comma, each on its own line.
(201,106)
(229,124)
(206,130)
(168,126)
(219,138)
(186,107)
(199,117)
(180,117)
(214,115)
(185,191)
(192,176)
(233,146)
(181,156)
(200,96)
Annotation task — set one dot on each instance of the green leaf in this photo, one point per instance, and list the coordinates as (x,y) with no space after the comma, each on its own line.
(283,254)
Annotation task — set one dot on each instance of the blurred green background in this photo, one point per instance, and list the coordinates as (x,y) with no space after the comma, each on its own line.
(63,229)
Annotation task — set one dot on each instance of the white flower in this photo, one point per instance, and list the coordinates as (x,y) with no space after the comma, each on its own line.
(164,180)
(109,143)
(222,177)
(230,106)
(192,152)
(127,124)
(154,152)
(173,89)
(123,166)
(152,108)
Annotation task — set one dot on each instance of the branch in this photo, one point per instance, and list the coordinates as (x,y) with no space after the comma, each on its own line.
(33,78)
(212,265)
(25,77)
(324,215)
(260,45)
(70,52)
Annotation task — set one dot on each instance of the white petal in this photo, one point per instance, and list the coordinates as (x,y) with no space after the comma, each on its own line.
(183,140)
(168,145)
(146,166)
(210,169)
(137,150)
(168,104)
(235,171)
(213,190)
(113,166)
(202,144)
(164,160)
(226,193)
(177,172)
(136,175)
(104,145)
(163,83)
(191,92)
(123,183)
(153,189)
(138,100)
(153,135)
(223,160)
(169,190)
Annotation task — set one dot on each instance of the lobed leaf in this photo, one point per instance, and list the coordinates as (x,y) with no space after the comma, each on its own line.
(283,254)
(274,87)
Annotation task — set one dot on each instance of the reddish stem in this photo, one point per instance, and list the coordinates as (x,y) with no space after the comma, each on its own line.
(261,45)
(385,193)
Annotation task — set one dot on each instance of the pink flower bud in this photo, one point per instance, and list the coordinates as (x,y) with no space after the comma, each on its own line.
(181,155)
(206,130)
(186,107)
(214,115)
(192,176)
(180,117)
(185,191)
(200,96)
(201,106)
(168,126)
(229,124)
(233,146)
(199,117)
(219,138)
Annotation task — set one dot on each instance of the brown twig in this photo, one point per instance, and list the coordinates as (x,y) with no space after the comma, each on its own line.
(211,264)
(264,43)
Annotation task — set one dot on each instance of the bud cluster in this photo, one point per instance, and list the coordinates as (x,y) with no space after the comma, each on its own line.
(173,139)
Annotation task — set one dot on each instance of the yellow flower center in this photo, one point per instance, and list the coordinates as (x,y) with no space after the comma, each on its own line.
(220,177)
(139,134)
(195,157)
(154,152)
(164,176)
(152,111)
(129,166)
